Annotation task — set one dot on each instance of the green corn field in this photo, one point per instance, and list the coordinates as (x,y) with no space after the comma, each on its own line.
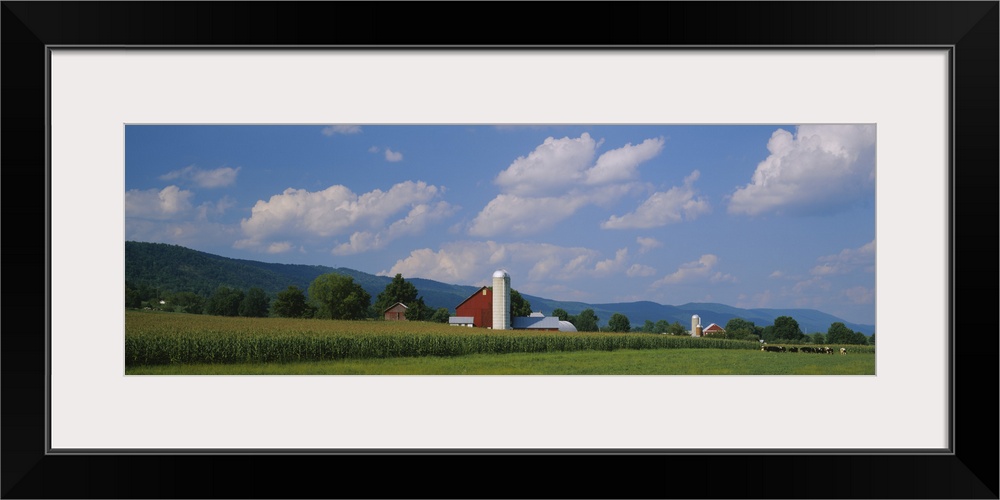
(175,338)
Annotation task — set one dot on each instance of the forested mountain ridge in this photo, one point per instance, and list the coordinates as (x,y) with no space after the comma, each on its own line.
(173,268)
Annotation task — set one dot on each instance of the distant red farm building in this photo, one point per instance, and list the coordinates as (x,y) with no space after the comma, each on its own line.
(713,329)
(396,313)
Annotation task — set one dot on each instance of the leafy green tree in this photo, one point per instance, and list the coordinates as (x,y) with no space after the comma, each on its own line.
(786,328)
(418,311)
(871,340)
(188,302)
(561,314)
(858,338)
(132,298)
(518,305)
(648,327)
(255,304)
(839,333)
(818,338)
(661,326)
(768,334)
(676,328)
(337,296)
(146,293)
(741,329)
(290,303)
(619,323)
(586,321)
(398,290)
(441,315)
(225,301)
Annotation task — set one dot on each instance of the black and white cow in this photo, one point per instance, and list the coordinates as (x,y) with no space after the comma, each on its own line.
(772,348)
(843,350)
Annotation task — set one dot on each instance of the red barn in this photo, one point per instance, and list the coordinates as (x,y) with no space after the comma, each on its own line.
(479,306)
(713,329)
(396,313)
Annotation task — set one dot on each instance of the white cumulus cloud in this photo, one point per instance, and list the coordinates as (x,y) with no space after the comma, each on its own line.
(552,166)
(559,164)
(621,164)
(219,177)
(161,204)
(558,178)
(664,207)
(209,209)
(720,277)
(393,156)
(341,129)
(647,244)
(516,215)
(848,260)
(279,247)
(609,266)
(700,269)
(821,168)
(640,271)
(418,219)
(333,211)
(474,261)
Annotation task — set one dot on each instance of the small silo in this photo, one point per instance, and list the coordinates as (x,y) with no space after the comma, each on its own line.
(696,325)
(501,300)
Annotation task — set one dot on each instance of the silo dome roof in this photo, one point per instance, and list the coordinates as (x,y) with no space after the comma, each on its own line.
(566,326)
(500,273)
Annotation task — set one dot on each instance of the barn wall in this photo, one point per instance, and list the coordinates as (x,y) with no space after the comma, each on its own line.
(480,307)
(396,313)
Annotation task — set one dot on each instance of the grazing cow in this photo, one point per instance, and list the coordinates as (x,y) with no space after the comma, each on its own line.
(843,350)
(808,349)
(827,350)
(772,348)
(793,349)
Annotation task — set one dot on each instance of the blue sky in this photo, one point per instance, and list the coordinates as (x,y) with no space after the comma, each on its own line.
(750,216)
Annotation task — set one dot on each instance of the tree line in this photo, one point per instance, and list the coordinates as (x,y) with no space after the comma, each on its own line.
(787,331)
(784,330)
(338,296)
(331,295)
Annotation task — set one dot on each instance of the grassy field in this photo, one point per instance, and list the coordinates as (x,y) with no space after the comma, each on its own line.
(182,344)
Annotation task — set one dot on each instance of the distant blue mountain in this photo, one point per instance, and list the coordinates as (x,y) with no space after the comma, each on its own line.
(175,268)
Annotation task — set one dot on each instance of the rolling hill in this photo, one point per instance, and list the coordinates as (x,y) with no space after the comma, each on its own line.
(174,268)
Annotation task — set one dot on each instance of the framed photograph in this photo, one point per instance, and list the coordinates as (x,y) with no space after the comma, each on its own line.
(926,89)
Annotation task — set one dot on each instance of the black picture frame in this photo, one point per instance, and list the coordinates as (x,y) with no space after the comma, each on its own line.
(970,28)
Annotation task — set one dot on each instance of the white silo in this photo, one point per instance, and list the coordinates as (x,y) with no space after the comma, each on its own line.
(501,300)
(695,325)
